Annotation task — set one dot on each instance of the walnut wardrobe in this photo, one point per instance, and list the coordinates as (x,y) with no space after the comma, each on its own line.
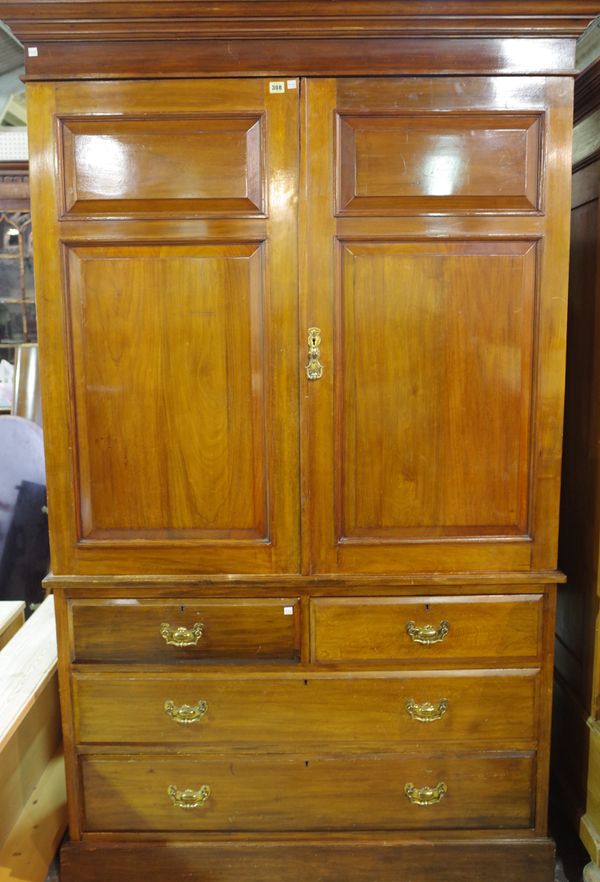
(301,273)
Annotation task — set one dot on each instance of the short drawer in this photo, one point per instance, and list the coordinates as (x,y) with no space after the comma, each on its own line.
(183,630)
(392,629)
(360,711)
(278,794)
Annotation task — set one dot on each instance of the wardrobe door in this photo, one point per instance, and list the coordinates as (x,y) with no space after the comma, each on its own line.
(169,324)
(435,272)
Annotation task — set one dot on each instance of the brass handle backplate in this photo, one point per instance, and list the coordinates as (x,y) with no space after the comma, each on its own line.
(425,795)
(314,368)
(185,713)
(188,799)
(426,712)
(181,636)
(427,634)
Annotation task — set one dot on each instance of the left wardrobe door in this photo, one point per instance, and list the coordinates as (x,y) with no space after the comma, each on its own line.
(168,314)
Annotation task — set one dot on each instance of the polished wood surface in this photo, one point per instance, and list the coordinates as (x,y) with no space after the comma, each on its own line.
(68,18)
(416,291)
(418,408)
(204,472)
(361,567)
(308,793)
(377,629)
(361,859)
(182,349)
(204,165)
(349,711)
(250,629)
(385,535)
(349,56)
(252,861)
(394,164)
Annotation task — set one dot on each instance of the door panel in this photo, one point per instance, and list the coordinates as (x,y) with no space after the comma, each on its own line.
(154,331)
(172,422)
(204,163)
(431,436)
(434,386)
(395,164)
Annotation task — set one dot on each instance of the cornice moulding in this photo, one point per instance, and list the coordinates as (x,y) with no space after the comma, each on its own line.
(77,20)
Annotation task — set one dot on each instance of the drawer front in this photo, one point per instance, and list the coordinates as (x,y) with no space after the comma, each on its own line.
(163,631)
(293,713)
(229,794)
(430,629)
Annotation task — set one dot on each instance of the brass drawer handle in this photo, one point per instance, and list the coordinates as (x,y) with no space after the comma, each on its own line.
(426,712)
(314,368)
(425,795)
(185,713)
(427,634)
(188,799)
(181,636)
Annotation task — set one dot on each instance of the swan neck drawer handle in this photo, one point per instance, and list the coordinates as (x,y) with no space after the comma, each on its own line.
(427,634)
(181,636)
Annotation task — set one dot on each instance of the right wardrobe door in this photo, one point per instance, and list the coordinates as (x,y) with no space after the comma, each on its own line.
(435,260)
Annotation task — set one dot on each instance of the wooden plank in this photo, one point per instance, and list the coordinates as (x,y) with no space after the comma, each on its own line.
(26,665)
(25,756)
(29,713)
(33,841)
(12,616)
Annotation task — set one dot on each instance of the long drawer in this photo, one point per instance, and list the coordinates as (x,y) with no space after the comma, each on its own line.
(428,629)
(277,794)
(253,629)
(288,712)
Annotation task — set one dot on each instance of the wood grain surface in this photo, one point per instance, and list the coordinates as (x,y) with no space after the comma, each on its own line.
(363,859)
(308,793)
(418,346)
(347,712)
(358,550)
(248,629)
(370,629)
(178,397)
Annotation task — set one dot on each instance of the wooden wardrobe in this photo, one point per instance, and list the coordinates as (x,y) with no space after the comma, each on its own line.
(302,274)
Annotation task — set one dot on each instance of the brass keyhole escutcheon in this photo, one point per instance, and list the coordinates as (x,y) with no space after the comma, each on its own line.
(314,368)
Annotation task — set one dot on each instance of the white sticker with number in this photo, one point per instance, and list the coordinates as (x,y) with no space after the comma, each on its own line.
(277,87)
(288,610)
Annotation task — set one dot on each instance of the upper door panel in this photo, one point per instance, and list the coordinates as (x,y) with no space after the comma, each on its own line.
(467,163)
(169,324)
(435,270)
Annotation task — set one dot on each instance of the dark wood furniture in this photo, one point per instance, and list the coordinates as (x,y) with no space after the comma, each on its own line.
(576,745)
(302,304)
